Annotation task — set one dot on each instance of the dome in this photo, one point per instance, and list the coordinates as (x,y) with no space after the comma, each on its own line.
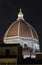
(21,32)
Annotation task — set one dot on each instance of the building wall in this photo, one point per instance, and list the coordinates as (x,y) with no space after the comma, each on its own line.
(8,50)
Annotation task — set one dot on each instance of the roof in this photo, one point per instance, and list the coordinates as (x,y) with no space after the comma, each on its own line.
(21,28)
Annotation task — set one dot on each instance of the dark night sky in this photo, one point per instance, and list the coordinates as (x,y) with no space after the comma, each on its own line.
(32,10)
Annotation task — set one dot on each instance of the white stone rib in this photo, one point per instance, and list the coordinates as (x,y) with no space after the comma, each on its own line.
(18,28)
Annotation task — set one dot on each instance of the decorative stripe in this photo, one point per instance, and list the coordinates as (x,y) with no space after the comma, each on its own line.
(14,37)
(30,42)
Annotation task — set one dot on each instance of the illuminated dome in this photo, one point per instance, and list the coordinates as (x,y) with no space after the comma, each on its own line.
(21,32)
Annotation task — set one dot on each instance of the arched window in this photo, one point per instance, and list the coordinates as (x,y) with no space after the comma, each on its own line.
(25,45)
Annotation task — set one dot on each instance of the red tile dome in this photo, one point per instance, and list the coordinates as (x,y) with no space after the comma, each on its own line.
(21,32)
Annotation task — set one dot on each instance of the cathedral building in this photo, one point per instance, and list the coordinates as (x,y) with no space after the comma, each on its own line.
(20,39)
(21,32)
